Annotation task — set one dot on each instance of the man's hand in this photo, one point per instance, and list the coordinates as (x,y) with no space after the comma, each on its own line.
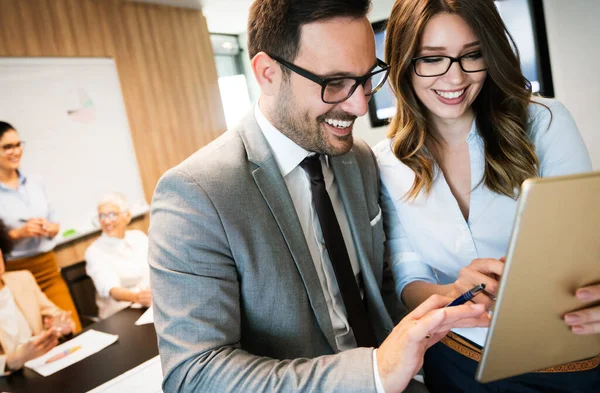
(400,356)
(586,321)
(34,347)
(481,271)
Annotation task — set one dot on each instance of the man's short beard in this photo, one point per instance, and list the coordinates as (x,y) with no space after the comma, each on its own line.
(295,125)
(300,128)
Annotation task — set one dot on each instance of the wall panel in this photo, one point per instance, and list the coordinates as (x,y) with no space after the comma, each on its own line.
(165,64)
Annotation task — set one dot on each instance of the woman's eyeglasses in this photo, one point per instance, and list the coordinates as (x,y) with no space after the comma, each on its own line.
(11,147)
(428,66)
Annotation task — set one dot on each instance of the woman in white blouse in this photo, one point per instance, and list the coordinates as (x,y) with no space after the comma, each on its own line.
(30,324)
(118,261)
(467,133)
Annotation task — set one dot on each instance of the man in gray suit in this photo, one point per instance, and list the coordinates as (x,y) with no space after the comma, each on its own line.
(246,294)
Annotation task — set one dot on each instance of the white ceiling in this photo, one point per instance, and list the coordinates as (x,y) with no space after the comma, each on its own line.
(226,16)
(231,16)
(195,4)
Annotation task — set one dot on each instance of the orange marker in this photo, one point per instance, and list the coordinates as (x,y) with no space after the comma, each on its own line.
(62,354)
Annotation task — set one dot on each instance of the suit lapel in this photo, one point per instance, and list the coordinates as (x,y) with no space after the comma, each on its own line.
(269,181)
(348,178)
(351,188)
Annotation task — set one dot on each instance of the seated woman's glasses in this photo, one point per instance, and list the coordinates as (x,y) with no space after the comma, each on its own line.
(108,216)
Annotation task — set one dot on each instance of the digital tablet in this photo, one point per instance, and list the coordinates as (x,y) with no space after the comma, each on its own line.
(554,250)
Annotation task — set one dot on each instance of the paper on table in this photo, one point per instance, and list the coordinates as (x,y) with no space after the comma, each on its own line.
(146,378)
(90,342)
(477,335)
(146,317)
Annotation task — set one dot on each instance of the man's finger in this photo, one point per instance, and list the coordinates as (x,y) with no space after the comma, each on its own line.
(481,321)
(444,319)
(465,311)
(422,328)
(432,303)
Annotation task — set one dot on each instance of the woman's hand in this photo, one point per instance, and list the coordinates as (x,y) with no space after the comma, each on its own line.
(32,228)
(34,347)
(586,321)
(144,298)
(486,271)
(50,229)
(61,322)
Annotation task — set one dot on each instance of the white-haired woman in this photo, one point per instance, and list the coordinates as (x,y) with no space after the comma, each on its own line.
(117,261)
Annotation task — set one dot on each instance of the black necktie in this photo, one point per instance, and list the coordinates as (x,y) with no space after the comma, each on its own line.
(338,254)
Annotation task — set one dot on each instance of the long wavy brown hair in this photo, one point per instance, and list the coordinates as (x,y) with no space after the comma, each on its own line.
(501,108)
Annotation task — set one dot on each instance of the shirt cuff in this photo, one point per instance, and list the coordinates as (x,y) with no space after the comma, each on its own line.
(378,383)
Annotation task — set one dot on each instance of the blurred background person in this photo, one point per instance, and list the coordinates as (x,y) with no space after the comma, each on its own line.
(118,261)
(26,210)
(30,324)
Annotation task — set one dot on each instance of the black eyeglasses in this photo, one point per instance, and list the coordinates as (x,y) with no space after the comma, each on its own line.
(10,147)
(438,65)
(339,89)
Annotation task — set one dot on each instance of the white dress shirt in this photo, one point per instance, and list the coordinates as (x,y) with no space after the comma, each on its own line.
(288,156)
(429,240)
(14,329)
(112,262)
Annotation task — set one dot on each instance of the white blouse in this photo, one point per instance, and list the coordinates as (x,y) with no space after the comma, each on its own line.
(14,329)
(429,240)
(112,262)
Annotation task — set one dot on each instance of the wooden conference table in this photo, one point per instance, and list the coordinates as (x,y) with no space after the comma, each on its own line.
(135,345)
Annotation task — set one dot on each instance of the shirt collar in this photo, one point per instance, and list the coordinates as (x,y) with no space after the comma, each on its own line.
(22,181)
(473,133)
(288,154)
(112,241)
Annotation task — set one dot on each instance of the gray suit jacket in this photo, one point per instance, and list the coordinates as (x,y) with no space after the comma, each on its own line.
(238,306)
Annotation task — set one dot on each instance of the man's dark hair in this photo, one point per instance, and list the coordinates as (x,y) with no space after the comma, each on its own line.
(4,126)
(274,25)
(6,243)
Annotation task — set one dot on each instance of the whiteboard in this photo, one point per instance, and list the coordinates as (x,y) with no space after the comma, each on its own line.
(71,114)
